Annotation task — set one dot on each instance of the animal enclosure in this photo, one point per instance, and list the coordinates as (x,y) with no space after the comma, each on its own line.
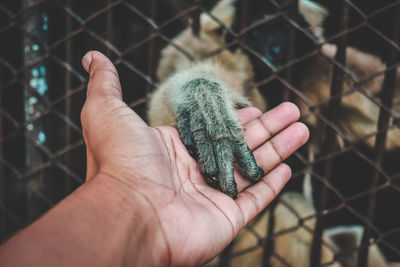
(340,65)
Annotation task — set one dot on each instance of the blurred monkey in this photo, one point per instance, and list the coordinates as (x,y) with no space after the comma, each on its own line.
(225,81)
(358,115)
(200,95)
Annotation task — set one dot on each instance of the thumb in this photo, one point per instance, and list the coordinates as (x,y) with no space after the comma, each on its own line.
(104,109)
(103,85)
(103,77)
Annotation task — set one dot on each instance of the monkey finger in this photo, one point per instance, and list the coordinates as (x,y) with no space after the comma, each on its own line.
(224,160)
(207,161)
(204,150)
(183,125)
(247,164)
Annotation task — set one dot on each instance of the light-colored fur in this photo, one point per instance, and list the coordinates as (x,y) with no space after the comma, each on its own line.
(235,70)
(314,14)
(358,114)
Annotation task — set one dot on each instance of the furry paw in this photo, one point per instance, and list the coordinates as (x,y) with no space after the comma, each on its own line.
(210,131)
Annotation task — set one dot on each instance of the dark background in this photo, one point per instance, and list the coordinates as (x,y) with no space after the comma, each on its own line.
(42,90)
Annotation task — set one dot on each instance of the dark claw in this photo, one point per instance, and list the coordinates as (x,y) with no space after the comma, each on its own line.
(259,176)
(212,181)
(230,189)
(246,162)
(192,151)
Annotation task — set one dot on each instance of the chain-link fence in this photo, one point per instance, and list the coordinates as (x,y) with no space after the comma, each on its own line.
(341,73)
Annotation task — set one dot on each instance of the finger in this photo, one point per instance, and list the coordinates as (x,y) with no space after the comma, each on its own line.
(259,130)
(204,151)
(103,77)
(247,114)
(104,109)
(257,197)
(103,86)
(183,123)
(246,161)
(224,158)
(281,146)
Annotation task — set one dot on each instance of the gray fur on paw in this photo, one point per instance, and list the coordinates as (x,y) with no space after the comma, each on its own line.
(209,129)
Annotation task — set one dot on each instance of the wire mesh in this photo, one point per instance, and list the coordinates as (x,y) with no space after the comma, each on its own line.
(355,178)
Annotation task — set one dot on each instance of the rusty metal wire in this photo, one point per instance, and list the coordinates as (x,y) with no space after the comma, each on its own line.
(41,147)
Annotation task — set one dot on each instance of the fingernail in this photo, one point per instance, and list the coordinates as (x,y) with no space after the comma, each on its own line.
(86,61)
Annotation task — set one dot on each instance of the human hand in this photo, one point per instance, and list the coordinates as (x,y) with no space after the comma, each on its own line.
(191,220)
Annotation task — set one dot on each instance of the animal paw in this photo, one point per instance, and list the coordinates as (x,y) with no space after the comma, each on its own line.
(209,129)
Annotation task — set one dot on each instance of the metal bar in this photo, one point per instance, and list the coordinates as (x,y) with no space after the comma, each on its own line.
(243,6)
(151,48)
(269,246)
(14,208)
(329,144)
(35,95)
(196,19)
(388,88)
(2,182)
(109,26)
(226,255)
(269,243)
(68,107)
(292,11)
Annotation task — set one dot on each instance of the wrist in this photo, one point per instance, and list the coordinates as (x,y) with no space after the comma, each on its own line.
(102,223)
(145,242)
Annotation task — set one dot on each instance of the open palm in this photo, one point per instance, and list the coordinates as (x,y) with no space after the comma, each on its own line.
(195,221)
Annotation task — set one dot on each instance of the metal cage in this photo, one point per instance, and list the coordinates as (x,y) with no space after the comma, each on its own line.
(42,90)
